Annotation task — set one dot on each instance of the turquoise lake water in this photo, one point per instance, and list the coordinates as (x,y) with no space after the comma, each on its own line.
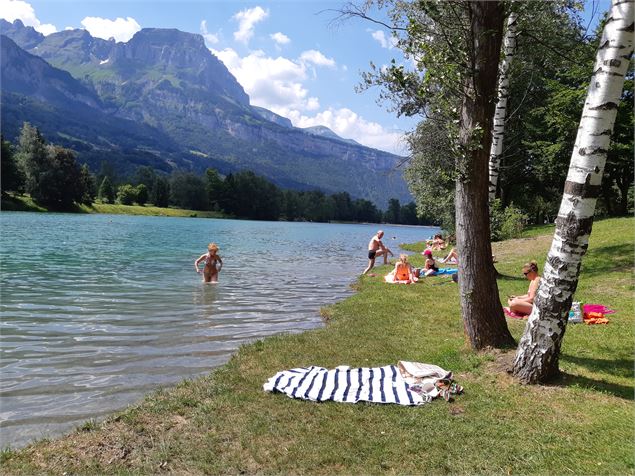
(98,310)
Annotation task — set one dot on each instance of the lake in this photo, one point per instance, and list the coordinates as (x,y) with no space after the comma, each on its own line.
(98,310)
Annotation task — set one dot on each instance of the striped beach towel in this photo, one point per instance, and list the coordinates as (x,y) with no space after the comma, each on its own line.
(350,385)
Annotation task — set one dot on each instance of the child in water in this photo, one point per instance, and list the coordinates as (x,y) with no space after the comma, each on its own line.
(213,264)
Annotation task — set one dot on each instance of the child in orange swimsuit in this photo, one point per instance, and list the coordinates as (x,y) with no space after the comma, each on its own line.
(213,264)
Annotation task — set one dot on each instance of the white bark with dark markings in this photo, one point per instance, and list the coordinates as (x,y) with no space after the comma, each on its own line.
(500,113)
(539,349)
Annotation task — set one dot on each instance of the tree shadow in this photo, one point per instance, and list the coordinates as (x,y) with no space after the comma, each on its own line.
(71,208)
(620,368)
(507,277)
(607,259)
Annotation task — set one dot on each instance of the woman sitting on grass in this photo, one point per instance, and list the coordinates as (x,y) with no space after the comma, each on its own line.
(523,304)
(430,267)
(437,243)
(403,272)
(451,258)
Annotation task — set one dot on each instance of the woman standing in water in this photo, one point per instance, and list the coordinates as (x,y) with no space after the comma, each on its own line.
(213,264)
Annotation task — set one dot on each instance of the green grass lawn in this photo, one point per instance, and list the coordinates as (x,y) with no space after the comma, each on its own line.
(224,423)
(25,203)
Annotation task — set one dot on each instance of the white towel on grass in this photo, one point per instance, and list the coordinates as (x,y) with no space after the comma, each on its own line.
(349,385)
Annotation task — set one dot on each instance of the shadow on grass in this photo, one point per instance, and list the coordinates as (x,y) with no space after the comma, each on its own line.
(607,259)
(20,204)
(619,367)
(570,380)
(507,277)
(12,204)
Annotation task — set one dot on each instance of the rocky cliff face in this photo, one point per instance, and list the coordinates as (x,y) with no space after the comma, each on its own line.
(25,36)
(169,81)
(273,117)
(32,76)
(72,49)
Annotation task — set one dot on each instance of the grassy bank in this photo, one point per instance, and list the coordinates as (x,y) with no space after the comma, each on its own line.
(225,423)
(26,204)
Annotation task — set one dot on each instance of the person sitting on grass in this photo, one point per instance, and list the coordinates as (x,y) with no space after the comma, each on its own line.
(451,258)
(436,243)
(430,267)
(524,304)
(403,272)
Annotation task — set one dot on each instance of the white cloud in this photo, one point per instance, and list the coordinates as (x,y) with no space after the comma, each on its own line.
(270,82)
(385,41)
(317,58)
(247,19)
(277,84)
(380,37)
(12,10)
(349,125)
(120,29)
(210,38)
(280,38)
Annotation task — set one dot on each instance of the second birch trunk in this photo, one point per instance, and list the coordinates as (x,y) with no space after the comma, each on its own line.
(500,113)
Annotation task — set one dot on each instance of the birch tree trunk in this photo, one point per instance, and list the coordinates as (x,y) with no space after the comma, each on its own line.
(483,317)
(500,113)
(539,349)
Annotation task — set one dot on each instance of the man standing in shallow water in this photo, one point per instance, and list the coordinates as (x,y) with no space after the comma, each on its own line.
(376,248)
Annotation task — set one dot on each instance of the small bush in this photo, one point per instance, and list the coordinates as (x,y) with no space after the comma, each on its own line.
(126,194)
(506,223)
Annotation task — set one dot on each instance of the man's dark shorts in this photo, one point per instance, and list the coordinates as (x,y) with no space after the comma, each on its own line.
(371,254)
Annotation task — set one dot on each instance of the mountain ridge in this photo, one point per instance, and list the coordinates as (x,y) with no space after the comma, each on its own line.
(168,81)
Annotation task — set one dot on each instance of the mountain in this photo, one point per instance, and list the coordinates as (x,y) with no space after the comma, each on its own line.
(163,99)
(323,131)
(272,116)
(26,36)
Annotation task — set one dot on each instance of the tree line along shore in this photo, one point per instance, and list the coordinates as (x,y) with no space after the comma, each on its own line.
(53,179)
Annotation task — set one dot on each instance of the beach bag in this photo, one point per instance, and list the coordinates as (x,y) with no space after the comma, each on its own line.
(575,314)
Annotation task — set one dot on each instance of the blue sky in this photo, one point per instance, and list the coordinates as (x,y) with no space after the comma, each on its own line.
(287,55)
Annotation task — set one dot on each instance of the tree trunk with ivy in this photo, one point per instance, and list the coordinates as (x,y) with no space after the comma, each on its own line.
(500,112)
(483,317)
(539,349)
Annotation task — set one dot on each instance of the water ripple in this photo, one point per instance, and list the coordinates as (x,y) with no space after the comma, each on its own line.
(98,310)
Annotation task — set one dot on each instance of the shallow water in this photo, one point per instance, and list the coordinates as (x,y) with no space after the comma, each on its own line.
(98,310)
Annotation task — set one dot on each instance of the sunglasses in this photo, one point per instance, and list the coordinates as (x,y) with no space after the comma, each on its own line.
(526,272)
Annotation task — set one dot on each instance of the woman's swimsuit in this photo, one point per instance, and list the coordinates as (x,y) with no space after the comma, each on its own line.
(211,262)
(403,273)
(433,267)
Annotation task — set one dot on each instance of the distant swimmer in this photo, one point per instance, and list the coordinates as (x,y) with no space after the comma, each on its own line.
(213,264)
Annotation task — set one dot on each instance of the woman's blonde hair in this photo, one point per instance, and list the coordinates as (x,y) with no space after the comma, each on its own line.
(531,266)
(403,258)
(212,247)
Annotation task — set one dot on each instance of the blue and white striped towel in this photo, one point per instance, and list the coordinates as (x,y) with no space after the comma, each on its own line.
(346,384)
